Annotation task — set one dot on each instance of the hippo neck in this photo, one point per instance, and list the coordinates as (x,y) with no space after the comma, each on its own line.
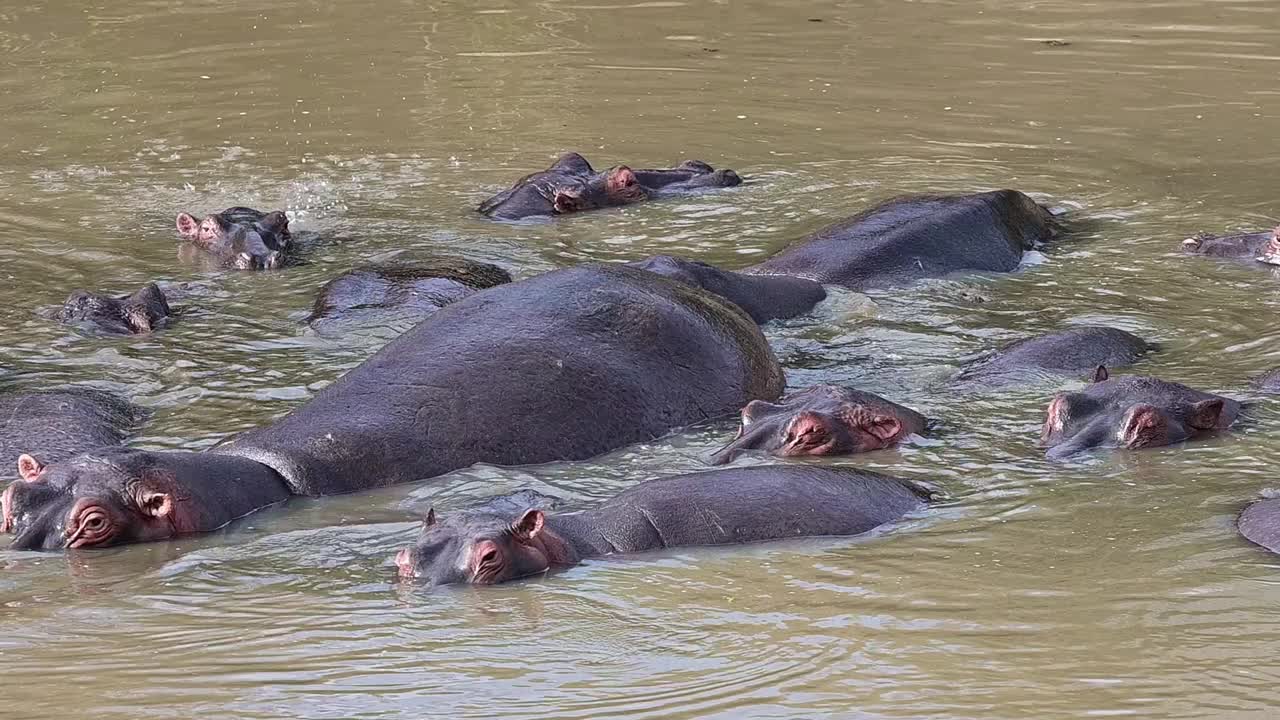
(574,537)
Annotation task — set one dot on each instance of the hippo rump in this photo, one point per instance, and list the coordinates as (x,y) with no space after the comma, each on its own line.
(1132,412)
(1259,523)
(562,366)
(1262,246)
(143,311)
(571,185)
(764,297)
(719,507)
(915,237)
(1074,352)
(61,423)
(239,237)
(398,292)
(822,420)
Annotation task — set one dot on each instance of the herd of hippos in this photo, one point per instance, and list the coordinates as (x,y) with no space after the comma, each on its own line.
(576,362)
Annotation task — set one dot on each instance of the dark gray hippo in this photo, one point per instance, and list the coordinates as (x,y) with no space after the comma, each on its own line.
(1075,352)
(144,311)
(1132,412)
(915,237)
(571,185)
(723,507)
(398,292)
(1268,382)
(562,366)
(239,237)
(1243,246)
(764,297)
(61,423)
(1259,523)
(822,420)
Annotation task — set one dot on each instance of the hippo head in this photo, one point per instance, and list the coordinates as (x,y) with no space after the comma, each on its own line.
(241,238)
(478,548)
(822,420)
(1271,251)
(141,312)
(1131,412)
(570,185)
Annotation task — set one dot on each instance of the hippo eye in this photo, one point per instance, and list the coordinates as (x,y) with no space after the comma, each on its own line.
(94,523)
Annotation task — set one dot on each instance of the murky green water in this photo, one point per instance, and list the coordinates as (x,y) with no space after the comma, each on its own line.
(1112,586)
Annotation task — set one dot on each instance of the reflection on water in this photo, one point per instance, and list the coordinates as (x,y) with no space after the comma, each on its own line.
(1111,585)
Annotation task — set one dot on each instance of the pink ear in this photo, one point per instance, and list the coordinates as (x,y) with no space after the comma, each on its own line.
(529,524)
(1143,427)
(620,178)
(29,468)
(886,428)
(1056,416)
(188,227)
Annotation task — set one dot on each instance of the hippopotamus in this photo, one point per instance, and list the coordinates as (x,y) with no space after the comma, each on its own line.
(561,366)
(1132,412)
(571,185)
(915,237)
(719,507)
(1268,382)
(1259,523)
(399,291)
(1077,351)
(822,420)
(239,237)
(1262,246)
(764,297)
(61,423)
(142,312)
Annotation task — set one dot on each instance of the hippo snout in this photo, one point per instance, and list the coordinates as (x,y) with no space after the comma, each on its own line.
(404,563)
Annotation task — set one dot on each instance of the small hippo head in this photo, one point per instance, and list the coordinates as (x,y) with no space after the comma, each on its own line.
(822,420)
(570,185)
(1131,412)
(141,312)
(240,237)
(478,548)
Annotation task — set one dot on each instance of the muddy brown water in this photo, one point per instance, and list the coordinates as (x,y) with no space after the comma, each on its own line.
(1110,586)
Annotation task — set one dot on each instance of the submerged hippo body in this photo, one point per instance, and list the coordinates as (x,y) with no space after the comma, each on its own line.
(562,366)
(238,237)
(822,420)
(1132,412)
(915,237)
(142,312)
(1243,246)
(399,292)
(60,423)
(724,507)
(764,297)
(1268,382)
(1075,352)
(571,185)
(1259,523)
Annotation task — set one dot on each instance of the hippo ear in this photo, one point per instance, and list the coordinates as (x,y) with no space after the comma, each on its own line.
(29,468)
(1143,426)
(1206,414)
(430,519)
(1100,374)
(567,201)
(529,524)
(620,178)
(188,226)
(155,503)
(885,428)
(1192,244)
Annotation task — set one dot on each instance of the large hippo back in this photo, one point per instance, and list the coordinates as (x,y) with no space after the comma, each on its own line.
(562,366)
(915,237)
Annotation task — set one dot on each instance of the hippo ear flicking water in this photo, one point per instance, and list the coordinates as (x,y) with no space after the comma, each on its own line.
(822,420)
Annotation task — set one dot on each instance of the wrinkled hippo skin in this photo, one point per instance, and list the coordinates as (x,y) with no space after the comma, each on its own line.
(764,297)
(822,420)
(1244,246)
(241,238)
(142,312)
(571,185)
(562,366)
(1132,412)
(723,507)
(1077,352)
(915,237)
(1259,523)
(398,292)
(61,423)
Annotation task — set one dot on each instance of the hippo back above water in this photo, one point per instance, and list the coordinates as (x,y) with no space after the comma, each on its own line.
(915,237)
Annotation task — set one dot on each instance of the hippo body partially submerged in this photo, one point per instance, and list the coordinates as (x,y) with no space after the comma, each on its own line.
(724,507)
(143,311)
(764,297)
(1075,352)
(562,366)
(62,423)
(1241,246)
(914,237)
